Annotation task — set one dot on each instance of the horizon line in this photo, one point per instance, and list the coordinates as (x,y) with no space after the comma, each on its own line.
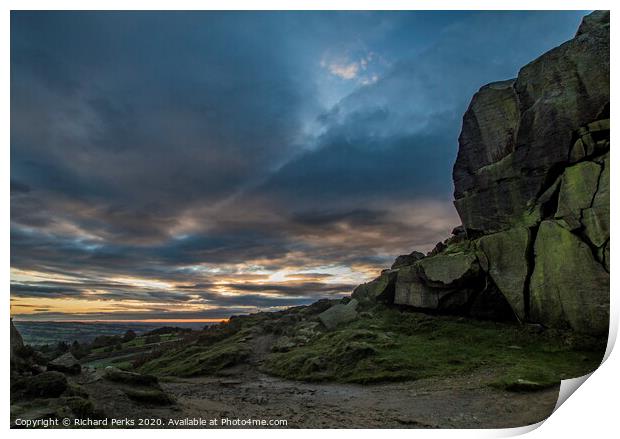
(126,321)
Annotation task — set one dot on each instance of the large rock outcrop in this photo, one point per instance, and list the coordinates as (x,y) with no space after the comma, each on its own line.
(532,190)
(517,135)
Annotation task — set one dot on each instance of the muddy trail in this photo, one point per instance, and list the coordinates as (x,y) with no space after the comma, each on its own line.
(465,401)
(457,402)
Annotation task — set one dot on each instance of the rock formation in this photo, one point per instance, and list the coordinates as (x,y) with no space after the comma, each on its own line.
(66,363)
(532,189)
(338,314)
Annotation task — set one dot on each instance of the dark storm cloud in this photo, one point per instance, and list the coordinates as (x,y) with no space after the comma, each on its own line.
(18,187)
(397,136)
(306,288)
(146,112)
(49,291)
(198,148)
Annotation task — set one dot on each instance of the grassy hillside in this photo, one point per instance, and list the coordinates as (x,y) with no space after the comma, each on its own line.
(385,344)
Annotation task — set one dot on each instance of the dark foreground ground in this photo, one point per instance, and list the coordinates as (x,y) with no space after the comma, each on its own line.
(465,401)
(457,402)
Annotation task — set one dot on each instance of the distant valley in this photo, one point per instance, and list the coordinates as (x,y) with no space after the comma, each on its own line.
(41,333)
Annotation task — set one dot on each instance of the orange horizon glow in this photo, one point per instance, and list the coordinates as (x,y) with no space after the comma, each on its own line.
(128,320)
(92,300)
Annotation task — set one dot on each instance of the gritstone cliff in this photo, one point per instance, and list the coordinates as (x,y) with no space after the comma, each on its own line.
(532,190)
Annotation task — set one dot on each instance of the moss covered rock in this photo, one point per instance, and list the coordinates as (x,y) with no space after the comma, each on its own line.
(595,219)
(577,189)
(506,253)
(379,290)
(568,286)
(410,290)
(339,314)
(449,269)
(516,134)
(405,260)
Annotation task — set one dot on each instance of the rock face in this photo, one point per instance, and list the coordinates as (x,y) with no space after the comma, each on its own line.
(506,254)
(532,182)
(518,134)
(532,190)
(569,287)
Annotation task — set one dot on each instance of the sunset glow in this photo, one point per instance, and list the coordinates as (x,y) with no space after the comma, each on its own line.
(162,176)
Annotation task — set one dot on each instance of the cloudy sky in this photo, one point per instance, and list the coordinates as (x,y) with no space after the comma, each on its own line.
(197,165)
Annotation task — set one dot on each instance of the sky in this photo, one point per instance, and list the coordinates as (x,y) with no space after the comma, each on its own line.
(198,165)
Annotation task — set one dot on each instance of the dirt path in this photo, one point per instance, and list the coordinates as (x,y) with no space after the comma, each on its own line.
(462,402)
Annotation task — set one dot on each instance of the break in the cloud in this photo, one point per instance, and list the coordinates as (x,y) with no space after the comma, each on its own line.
(194,165)
(363,67)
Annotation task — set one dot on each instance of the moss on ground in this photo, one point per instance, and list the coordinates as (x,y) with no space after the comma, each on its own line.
(198,359)
(136,342)
(388,344)
(393,345)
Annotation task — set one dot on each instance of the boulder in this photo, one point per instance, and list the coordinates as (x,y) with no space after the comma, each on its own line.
(568,286)
(446,269)
(379,290)
(115,374)
(411,289)
(339,314)
(405,260)
(66,363)
(506,253)
(439,247)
